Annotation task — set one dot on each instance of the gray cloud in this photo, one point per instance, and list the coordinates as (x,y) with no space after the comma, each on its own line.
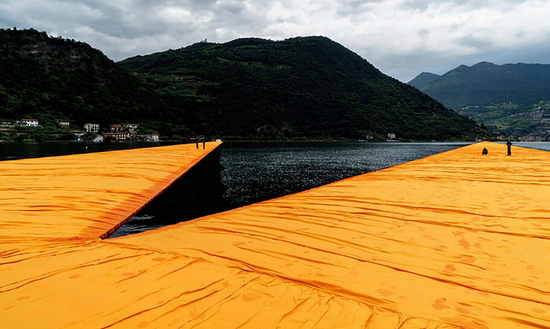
(350,8)
(421,5)
(423,33)
(475,43)
(400,37)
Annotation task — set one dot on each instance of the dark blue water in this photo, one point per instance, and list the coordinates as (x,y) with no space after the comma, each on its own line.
(238,174)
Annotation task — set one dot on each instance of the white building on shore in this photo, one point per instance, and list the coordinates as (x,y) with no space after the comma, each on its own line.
(28,122)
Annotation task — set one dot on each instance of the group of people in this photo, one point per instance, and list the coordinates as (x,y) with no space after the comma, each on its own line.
(508,144)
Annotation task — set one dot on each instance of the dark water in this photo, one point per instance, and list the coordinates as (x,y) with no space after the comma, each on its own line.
(13,151)
(237,174)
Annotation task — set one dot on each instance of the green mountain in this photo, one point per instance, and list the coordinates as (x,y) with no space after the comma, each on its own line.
(513,99)
(308,86)
(421,80)
(245,89)
(49,78)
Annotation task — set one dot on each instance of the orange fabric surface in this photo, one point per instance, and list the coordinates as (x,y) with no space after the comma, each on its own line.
(86,195)
(455,240)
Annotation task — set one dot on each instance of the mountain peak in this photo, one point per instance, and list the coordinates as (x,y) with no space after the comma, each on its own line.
(483,64)
(421,80)
(303,86)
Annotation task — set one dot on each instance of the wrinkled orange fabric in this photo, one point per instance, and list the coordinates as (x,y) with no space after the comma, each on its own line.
(86,195)
(455,240)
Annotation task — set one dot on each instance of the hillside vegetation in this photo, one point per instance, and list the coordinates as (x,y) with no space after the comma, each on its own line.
(308,86)
(423,79)
(513,99)
(49,78)
(245,89)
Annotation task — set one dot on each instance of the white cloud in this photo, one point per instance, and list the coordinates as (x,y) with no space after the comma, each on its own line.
(400,37)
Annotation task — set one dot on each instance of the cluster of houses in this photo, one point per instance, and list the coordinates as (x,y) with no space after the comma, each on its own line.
(116,132)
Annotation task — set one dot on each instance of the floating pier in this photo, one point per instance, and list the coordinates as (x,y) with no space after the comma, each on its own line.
(454,240)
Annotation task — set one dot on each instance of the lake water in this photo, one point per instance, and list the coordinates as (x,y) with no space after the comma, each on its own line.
(237,174)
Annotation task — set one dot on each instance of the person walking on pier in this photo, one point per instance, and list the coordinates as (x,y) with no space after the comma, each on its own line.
(201,138)
(509,144)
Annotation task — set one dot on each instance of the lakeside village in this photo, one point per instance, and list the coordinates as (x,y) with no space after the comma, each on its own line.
(28,129)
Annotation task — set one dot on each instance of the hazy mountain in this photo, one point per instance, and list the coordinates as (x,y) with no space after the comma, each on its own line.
(512,98)
(486,83)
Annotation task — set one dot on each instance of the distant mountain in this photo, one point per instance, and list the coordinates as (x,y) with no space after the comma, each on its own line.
(486,83)
(423,79)
(512,98)
(302,87)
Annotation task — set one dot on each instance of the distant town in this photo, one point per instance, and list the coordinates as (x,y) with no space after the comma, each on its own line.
(30,129)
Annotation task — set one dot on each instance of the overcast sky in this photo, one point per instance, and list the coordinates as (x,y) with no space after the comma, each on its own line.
(402,38)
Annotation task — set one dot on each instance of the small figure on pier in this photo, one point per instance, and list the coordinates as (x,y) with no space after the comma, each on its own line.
(509,144)
(200,138)
(485,151)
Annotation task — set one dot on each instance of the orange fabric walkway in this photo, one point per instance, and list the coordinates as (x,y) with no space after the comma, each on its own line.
(455,240)
(86,195)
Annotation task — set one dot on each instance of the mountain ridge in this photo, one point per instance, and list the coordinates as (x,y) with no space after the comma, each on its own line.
(304,87)
(513,99)
(312,82)
(485,82)
(54,78)
(423,79)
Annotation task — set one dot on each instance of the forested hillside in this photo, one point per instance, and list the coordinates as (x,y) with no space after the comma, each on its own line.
(308,86)
(301,88)
(49,78)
